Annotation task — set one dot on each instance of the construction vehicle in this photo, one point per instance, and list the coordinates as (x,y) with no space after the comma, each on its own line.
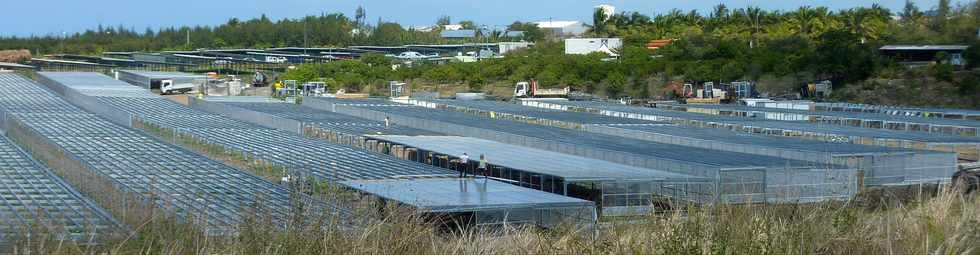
(531,90)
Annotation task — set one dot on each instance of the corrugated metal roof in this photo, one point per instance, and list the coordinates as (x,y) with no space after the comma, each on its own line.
(557,23)
(462,194)
(569,167)
(924,47)
(463,33)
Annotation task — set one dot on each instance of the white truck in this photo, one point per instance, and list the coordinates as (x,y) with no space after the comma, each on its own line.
(530,90)
(276,59)
(170,87)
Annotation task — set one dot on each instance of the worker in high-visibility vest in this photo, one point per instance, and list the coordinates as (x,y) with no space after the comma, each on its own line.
(277,87)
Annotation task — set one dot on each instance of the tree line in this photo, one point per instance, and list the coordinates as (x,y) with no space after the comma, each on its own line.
(325,30)
(805,44)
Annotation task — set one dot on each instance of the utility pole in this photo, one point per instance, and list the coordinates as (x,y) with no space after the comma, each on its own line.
(188,43)
(305,44)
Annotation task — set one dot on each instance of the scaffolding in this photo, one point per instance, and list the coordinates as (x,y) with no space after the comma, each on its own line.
(966,148)
(743,177)
(265,151)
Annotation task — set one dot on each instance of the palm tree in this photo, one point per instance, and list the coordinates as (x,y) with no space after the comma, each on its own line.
(599,19)
(753,17)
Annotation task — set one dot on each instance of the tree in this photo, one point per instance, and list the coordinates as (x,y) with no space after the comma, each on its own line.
(468,24)
(942,16)
(840,58)
(444,20)
(910,13)
(531,31)
(599,19)
(376,60)
(972,55)
(360,17)
(615,83)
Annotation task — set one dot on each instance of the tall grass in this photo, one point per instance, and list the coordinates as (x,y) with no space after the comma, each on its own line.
(948,223)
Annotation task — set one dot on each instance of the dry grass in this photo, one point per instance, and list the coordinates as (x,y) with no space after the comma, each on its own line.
(948,223)
(14,56)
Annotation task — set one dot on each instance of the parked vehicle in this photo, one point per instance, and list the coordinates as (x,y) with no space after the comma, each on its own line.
(531,90)
(170,87)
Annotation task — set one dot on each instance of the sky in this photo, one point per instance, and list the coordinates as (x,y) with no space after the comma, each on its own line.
(54,17)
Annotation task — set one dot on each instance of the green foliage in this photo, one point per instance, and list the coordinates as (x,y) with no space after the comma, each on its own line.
(969,85)
(972,55)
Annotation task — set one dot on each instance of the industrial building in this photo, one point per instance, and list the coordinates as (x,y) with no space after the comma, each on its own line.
(585,46)
(920,55)
(152,80)
(562,28)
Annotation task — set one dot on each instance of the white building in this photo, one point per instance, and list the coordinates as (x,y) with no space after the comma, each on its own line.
(584,46)
(451,27)
(506,47)
(607,10)
(421,28)
(562,28)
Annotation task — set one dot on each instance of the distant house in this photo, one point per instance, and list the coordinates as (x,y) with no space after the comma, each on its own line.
(514,34)
(452,27)
(505,47)
(916,55)
(421,28)
(657,44)
(458,34)
(562,28)
(584,46)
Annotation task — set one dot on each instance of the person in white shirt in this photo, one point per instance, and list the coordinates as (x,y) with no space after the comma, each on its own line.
(464,162)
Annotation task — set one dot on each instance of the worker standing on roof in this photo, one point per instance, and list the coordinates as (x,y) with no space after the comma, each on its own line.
(464,162)
(483,165)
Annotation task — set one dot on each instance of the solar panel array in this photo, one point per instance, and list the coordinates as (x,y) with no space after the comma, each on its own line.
(614,143)
(305,156)
(33,199)
(965,147)
(537,113)
(868,120)
(330,121)
(175,180)
(739,174)
(646,112)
